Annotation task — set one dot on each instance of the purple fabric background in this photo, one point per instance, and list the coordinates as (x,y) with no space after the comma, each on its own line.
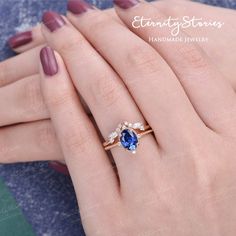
(46,197)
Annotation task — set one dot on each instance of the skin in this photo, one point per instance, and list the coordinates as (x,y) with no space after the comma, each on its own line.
(181,181)
(20,91)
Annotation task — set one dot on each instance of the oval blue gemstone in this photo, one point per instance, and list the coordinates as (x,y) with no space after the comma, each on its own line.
(129,139)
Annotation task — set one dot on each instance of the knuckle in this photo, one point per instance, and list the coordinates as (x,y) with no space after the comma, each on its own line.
(192,57)
(101,22)
(70,46)
(106,91)
(45,134)
(32,97)
(144,59)
(59,99)
(77,140)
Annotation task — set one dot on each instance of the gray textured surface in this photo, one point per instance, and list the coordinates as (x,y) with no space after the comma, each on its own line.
(46,197)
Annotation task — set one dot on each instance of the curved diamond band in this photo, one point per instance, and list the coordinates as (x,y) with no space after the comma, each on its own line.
(127,135)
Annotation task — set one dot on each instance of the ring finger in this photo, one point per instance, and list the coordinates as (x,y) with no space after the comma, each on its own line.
(106,96)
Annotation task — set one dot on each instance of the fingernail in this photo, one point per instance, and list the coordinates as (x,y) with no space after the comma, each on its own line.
(49,62)
(125,4)
(59,167)
(20,39)
(53,20)
(78,6)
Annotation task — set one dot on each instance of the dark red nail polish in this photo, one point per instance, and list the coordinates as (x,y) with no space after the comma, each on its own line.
(125,4)
(20,39)
(49,62)
(53,20)
(78,6)
(59,167)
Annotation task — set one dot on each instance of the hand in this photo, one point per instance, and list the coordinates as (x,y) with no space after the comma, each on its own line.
(22,97)
(181,181)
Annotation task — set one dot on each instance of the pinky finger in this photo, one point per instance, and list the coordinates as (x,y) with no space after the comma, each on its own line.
(35,141)
(24,41)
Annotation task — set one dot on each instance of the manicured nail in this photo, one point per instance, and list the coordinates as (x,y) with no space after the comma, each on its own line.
(49,62)
(125,4)
(78,6)
(59,167)
(20,39)
(53,20)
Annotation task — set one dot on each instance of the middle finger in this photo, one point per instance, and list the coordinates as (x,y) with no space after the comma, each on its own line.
(142,70)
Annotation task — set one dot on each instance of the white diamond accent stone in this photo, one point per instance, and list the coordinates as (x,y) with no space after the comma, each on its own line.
(112,137)
(142,128)
(138,125)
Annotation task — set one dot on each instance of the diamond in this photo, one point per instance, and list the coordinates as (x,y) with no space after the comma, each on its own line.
(138,125)
(112,136)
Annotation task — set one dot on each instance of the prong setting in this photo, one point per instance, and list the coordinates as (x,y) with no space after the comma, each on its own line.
(127,134)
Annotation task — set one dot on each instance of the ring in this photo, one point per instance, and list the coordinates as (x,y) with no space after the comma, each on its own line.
(127,135)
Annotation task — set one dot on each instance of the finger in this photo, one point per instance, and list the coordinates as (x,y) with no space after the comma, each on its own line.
(24,41)
(103,91)
(142,70)
(19,67)
(224,61)
(24,102)
(212,96)
(34,141)
(90,169)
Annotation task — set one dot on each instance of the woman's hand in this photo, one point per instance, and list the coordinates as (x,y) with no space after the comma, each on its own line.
(20,96)
(181,180)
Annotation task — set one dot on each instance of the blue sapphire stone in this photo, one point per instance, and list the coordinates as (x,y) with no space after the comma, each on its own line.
(129,139)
